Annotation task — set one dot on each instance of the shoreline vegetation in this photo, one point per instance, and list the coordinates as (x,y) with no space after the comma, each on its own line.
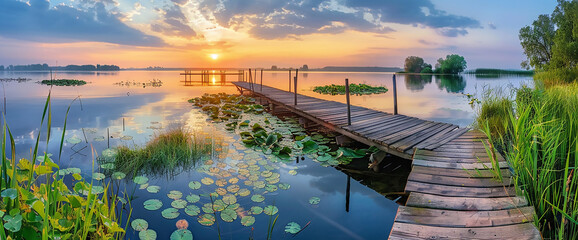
(63,82)
(536,128)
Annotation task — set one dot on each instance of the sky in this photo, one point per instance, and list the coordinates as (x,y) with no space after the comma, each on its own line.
(263,33)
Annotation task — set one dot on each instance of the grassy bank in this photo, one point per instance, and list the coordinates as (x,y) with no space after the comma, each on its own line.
(538,132)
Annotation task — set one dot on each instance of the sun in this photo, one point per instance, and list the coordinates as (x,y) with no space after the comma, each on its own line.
(214,56)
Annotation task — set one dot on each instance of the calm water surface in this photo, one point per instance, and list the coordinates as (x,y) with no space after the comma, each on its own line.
(133,112)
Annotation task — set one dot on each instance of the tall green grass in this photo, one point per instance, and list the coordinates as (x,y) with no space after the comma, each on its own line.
(37,204)
(169,152)
(539,139)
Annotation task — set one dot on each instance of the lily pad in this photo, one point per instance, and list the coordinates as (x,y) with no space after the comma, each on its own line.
(126,138)
(257,198)
(292,172)
(74,140)
(314,200)
(229,199)
(109,153)
(206,219)
(193,198)
(292,228)
(182,234)
(98,176)
(284,186)
(219,205)
(244,192)
(148,234)
(221,182)
(107,166)
(207,181)
(256,210)
(228,215)
(247,221)
(271,188)
(192,210)
(140,179)
(139,224)
(174,194)
(170,213)
(179,203)
(153,204)
(221,191)
(233,188)
(270,210)
(118,175)
(99,139)
(153,189)
(194,185)
(208,208)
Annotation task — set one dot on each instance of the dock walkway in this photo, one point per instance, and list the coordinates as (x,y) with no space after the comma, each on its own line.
(454,194)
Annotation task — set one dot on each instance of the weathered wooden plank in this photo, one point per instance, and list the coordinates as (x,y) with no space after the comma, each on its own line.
(454,191)
(390,123)
(417,138)
(425,200)
(394,137)
(460,181)
(435,138)
(468,166)
(394,128)
(415,231)
(452,154)
(455,159)
(464,219)
(450,136)
(362,124)
(505,172)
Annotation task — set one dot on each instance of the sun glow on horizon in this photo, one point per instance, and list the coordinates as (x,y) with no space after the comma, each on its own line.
(214,56)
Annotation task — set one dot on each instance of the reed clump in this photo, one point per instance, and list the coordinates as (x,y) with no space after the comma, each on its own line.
(539,139)
(169,150)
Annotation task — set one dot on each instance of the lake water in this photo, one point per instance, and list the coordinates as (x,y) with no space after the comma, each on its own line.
(127,107)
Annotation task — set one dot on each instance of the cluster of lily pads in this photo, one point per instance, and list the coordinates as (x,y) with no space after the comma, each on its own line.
(354,89)
(63,82)
(244,173)
(264,132)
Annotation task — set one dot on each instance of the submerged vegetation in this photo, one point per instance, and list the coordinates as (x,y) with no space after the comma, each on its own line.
(354,89)
(63,82)
(37,204)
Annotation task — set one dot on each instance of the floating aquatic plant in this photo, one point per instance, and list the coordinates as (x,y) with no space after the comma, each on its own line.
(354,89)
(63,82)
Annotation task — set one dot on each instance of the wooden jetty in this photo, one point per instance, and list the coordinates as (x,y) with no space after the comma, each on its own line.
(453,189)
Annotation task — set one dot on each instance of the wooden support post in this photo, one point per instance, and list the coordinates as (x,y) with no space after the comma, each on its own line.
(261,80)
(394,96)
(295,84)
(289,80)
(348,103)
(347,193)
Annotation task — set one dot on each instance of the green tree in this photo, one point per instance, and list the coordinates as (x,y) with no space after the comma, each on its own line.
(565,48)
(537,41)
(414,64)
(453,64)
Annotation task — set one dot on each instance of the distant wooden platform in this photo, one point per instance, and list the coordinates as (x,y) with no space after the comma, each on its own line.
(394,134)
(454,194)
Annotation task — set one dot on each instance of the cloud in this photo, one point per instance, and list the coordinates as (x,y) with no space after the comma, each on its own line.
(452,32)
(36,21)
(492,26)
(173,23)
(271,19)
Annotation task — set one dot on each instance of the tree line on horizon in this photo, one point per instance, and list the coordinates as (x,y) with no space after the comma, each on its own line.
(45,67)
(452,64)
